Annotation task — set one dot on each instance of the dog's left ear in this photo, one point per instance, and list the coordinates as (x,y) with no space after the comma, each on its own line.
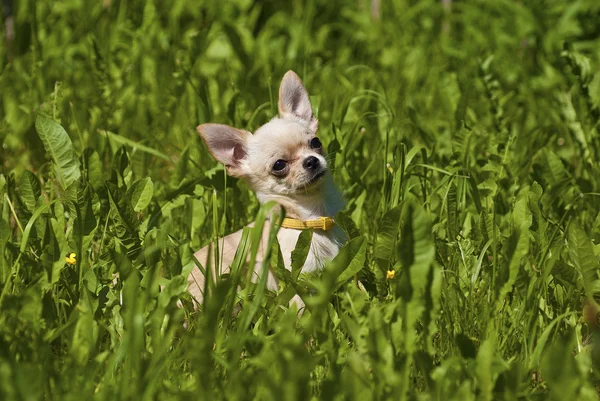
(294,101)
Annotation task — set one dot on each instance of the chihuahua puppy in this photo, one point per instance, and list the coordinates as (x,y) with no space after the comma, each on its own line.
(283,161)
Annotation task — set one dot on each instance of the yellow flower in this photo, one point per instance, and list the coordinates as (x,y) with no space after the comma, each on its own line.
(70,259)
(390,274)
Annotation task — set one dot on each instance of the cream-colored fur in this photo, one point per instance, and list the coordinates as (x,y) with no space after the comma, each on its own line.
(305,191)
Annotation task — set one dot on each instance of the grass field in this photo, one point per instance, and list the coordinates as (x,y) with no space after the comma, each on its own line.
(464,134)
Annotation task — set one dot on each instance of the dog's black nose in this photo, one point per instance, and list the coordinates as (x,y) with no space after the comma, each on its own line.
(311,163)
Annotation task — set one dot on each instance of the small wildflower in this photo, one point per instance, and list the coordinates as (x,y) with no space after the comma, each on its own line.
(390,274)
(70,259)
(389,167)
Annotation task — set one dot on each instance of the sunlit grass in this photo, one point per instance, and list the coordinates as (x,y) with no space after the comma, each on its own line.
(463,134)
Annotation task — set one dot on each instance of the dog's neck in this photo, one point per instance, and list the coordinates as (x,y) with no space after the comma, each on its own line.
(327,202)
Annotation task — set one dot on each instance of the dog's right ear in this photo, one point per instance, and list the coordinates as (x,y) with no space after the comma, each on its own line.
(294,100)
(227,144)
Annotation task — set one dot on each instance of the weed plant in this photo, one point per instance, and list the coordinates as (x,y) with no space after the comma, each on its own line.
(464,134)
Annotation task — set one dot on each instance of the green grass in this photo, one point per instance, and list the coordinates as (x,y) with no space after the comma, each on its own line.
(466,141)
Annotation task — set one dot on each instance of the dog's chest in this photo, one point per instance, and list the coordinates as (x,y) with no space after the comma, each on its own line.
(324,246)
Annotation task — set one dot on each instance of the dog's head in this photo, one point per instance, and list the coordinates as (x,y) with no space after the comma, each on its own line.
(284,157)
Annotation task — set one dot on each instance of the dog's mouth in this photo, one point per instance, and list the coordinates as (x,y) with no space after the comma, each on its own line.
(316,177)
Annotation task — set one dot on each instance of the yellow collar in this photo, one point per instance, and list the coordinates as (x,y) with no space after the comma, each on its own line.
(322,223)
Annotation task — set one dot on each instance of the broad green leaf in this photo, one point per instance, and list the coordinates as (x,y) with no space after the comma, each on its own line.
(415,252)
(195,212)
(541,342)
(300,252)
(276,263)
(86,330)
(121,173)
(560,184)
(126,223)
(358,213)
(349,261)
(93,169)
(572,120)
(345,221)
(477,269)
(237,267)
(87,211)
(63,246)
(175,287)
(141,193)
(485,369)
(433,306)
(256,238)
(517,246)
(181,171)
(54,252)
(387,237)
(557,174)
(59,147)
(415,249)
(332,151)
(559,367)
(581,252)
(37,213)
(579,63)
(380,345)
(29,189)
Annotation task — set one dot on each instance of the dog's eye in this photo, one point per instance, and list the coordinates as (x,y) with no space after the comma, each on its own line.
(279,165)
(315,143)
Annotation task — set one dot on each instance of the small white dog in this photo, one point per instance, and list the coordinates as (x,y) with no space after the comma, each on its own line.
(283,161)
